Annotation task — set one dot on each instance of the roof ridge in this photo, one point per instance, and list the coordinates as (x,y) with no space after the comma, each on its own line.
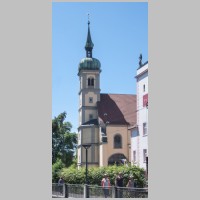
(119,94)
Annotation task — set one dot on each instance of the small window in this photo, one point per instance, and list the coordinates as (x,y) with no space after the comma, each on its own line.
(144,128)
(117,142)
(90,81)
(90,116)
(143,88)
(134,156)
(144,154)
(103,130)
(90,100)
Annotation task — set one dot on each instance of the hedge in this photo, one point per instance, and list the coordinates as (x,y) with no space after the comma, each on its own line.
(72,175)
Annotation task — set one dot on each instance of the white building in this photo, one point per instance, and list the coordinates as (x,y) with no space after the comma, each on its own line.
(139,134)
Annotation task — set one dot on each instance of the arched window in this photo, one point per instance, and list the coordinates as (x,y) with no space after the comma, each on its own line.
(90,81)
(117,141)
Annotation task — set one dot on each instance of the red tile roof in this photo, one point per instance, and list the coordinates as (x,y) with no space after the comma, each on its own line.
(120,108)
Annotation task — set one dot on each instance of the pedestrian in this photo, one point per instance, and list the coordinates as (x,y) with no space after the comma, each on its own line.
(131,186)
(119,180)
(61,185)
(131,182)
(105,183)
(119,183)
(61,181)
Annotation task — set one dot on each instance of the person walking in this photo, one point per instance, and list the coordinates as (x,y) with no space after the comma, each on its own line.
(61,181)
(119,180)
(131,182)
(105,183)
(61,185)
(119,183)
(131,186)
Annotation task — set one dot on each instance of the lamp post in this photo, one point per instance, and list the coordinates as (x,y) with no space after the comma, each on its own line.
(86,146)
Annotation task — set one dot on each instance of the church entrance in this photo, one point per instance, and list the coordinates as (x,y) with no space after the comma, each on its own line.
(117,159)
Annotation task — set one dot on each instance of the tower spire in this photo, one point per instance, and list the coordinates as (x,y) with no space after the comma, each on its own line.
(89,45)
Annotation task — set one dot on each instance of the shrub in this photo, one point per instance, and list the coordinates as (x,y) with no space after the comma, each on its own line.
(95,174)
(56,169)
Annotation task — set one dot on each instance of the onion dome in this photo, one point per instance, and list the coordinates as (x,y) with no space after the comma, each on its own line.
(89,64)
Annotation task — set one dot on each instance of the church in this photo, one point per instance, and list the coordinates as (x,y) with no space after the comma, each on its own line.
(104,135)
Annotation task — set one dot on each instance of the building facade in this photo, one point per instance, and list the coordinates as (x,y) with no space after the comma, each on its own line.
(103,118)
(139,132)
(89,95)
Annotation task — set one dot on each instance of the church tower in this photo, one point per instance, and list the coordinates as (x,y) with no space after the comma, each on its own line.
(89,94)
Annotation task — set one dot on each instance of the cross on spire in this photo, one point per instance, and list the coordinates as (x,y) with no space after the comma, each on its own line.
(88,18)
(89,45)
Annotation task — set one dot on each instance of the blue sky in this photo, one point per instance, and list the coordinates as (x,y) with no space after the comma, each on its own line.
(119,32)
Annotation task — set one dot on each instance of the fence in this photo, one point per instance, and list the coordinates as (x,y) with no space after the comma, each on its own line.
(93,191)
(124,192)
(75,191)
(58,190)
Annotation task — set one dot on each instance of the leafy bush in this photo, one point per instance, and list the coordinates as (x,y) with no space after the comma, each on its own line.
(72,175)
(56,169)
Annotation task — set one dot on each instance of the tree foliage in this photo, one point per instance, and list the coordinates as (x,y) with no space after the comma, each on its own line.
(63,141)
(56,168)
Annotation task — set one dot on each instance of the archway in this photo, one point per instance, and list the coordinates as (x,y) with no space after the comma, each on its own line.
(116,159)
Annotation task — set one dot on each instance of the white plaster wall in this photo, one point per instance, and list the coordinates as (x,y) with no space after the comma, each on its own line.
(140,142)
(142,69)
(134,134)
(142,117)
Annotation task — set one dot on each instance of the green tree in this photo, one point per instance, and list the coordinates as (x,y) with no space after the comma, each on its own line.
(63,141)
